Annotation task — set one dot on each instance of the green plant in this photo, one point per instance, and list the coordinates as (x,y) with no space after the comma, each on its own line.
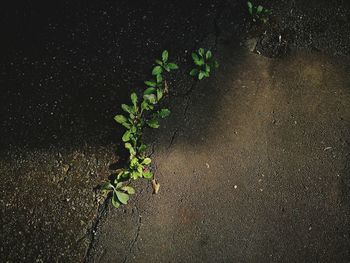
(259,13)
(204,63)
(162,66)
(139,114)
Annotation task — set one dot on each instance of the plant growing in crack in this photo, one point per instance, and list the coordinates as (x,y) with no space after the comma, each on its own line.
(137,115)
(258,13)
(204,63)
(163,65)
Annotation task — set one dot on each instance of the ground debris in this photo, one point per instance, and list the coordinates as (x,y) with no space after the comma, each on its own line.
(155,186)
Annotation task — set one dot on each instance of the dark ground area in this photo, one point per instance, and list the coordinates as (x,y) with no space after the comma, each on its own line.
(66,66)
(254,163)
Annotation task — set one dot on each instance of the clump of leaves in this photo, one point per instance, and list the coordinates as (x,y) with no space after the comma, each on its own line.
(204,63)
(162,66)
(139,114)
(258,13)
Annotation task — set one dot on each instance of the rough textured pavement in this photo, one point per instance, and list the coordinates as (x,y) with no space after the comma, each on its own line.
(65,67)
(253,163)
(253,166)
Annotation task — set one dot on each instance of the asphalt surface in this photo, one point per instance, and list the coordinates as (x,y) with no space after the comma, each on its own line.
(66,66)
(253,163)
(263,177)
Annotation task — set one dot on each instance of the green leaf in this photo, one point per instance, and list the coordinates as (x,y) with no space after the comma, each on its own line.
(134,98)
(140,168)
(146,106)
(259,9)
(122,197)
(159,78)
(150,83)
(134,161)
(148,175)
(157,70)
(130,148)
(126,136)
(128,108)
(159,94)
(153,123)
(200,62)
(173,66)
(207,68)
(195,57)
(166,67)
(135,175)
(120,119)
(123,174)
(120,174)
(250,7)
(149,91)
(142,147)
(130,190)
(151,98)
(146,161)
(208,55)
(201,51)
(115,201)
(159,62)
(163,113)
(126,125)
(120,184)
(165,56)
(107,186)
(194,72)
(201,75)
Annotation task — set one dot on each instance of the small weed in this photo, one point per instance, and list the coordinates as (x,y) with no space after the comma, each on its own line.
(137,115)
(258,13)
(145,112)
(204,63)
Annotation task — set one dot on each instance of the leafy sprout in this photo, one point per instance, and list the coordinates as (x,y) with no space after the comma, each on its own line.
(204,62)
(138,114)
(259,13)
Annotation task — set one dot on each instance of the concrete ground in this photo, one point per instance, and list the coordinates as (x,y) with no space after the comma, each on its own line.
(253,167)
(253,163)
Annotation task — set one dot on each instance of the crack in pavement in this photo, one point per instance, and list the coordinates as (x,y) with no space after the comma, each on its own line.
(95,222)
(187,94)
(172,138)
(102,208)
(133,242)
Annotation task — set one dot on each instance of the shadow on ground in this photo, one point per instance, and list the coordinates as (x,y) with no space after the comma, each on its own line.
(260,175)
(252,166)
(252,163)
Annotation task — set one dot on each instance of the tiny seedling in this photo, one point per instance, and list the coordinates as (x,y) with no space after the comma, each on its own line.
(204,63)
(137,115)
(163,65)
(258,13)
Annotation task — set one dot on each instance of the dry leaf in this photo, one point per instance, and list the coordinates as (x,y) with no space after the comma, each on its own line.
(155,186)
